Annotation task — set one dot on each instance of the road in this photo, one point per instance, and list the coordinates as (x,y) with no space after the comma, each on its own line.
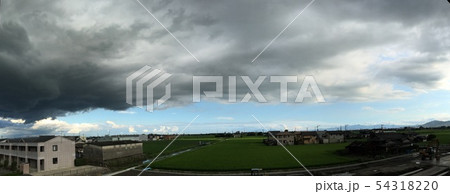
(408,164)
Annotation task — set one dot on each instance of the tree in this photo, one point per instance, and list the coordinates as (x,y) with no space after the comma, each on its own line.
(13,166)
(5,164)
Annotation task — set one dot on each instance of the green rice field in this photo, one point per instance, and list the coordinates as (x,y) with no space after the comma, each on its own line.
(247,153)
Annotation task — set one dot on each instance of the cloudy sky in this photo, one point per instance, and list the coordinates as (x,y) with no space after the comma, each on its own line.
(63,64)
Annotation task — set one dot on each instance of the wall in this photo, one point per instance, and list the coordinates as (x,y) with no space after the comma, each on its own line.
(65,153)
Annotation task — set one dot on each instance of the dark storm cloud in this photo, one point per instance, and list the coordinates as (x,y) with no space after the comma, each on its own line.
(32,89)
(58,57)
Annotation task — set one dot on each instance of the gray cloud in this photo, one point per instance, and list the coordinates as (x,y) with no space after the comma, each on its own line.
(70,56)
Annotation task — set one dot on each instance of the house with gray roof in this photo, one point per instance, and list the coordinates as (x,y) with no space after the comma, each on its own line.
(41,153)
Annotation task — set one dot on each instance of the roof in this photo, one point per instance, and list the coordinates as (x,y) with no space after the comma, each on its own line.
(336,132)
(283,133)
(309,133)
(389,136)
(109,143)
(30,139)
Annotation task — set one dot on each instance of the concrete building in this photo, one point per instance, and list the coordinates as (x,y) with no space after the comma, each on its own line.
(101,152)
(42,153)
(286,137)
(107,138)
(336,136)
(308,137)
(326,137)
(292,138)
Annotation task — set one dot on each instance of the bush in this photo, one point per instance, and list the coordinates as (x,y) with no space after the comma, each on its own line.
(5,164)
(13,166)
(80,162)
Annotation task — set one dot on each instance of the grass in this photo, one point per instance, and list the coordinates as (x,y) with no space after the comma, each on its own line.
(443,135)
(153,148)
(250,152)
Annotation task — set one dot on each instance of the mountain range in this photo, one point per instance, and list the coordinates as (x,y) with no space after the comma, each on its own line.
(436,124)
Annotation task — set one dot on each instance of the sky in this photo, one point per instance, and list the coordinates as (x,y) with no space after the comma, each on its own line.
(64,64)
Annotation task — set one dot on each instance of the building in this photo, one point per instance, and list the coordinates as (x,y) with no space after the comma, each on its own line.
(108,138)
(154,137)
(303,137)
(308,137)
(326,137)
(291,138)
(285,137)
(103,152)
(41,153)
(169,137)
(384,143)
(336,136)
(141,137)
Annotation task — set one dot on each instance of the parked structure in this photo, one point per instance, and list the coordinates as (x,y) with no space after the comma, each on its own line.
(42,153)
(101,152)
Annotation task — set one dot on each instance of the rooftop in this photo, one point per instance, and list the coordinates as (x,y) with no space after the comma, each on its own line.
(30,139)
(109,143)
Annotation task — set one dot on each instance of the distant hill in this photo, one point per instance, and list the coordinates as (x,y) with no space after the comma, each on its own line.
(436,124)
(358,127)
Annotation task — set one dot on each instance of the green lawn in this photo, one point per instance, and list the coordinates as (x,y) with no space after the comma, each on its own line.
(153,148)
(250,152)
(442,135)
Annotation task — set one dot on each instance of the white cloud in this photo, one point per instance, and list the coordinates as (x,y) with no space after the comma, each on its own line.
(131,130)
(126,112)
(225,118)
(15,121)
(114,125)
(389,110)
(62,126)
(166,129)
(367,108)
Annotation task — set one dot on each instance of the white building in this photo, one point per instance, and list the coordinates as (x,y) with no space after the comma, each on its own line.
(42,153)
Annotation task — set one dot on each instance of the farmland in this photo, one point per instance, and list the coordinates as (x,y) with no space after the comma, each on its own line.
(153,148)
(250,152)
(442,135)
(236,154)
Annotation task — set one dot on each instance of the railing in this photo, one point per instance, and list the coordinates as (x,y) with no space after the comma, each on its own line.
(82,171)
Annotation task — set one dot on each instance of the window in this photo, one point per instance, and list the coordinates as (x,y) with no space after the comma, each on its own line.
(55,160)
(55,148)
(42,148)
